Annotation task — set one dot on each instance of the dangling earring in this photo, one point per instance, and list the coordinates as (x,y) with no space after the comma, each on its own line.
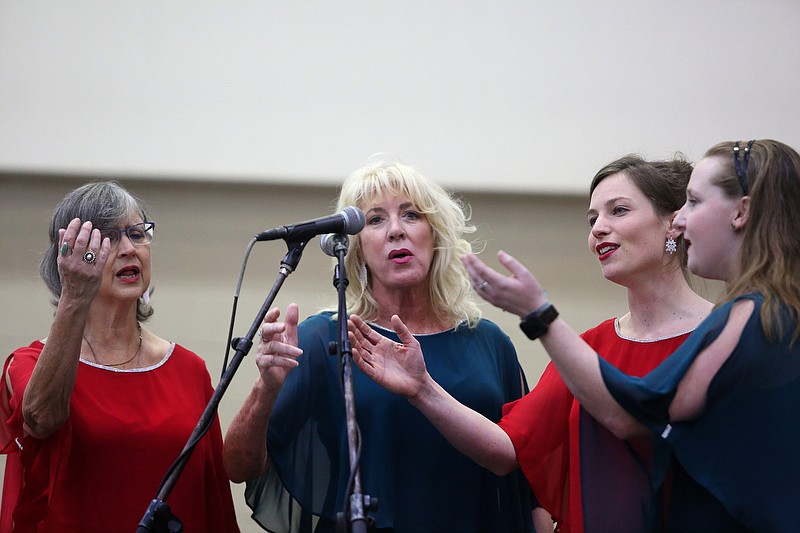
(362,276)
(671,246)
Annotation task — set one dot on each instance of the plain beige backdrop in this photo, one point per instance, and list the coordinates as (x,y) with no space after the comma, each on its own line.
(201,234)
(488,95)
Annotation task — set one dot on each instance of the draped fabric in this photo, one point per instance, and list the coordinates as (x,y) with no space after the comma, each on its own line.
(576,468)
(741,454)
(100,471)
(422,483)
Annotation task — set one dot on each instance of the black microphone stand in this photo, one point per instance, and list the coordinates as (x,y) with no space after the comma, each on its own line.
(353,519)
(159,518)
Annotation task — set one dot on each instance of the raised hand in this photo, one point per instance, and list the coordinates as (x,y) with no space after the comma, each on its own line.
(245,451)
(82,255)
(277,346)
(519,293)
(397,367)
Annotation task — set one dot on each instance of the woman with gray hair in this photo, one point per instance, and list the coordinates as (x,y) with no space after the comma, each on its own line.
(96,412)
(289,440)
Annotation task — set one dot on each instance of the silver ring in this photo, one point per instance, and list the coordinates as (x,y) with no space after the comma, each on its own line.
(89,257)
(483,285)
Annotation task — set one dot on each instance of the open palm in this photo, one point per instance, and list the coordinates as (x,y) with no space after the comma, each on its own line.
(397,367)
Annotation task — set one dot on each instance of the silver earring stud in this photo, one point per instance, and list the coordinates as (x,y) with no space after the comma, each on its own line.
(671,246)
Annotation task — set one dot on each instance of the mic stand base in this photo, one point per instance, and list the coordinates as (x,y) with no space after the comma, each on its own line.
(159,519)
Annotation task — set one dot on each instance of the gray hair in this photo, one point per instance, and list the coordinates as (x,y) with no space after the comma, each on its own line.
(106,204)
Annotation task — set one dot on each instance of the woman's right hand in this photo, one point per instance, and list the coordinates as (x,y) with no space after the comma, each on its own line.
(81,280)
(245,450)
(518,293)
(45,404)
(278,347)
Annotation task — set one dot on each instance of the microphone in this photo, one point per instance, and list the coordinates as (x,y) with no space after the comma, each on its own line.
(331,243)
(349,220)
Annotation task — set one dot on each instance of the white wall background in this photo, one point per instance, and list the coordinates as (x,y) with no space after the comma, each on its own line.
(479,94)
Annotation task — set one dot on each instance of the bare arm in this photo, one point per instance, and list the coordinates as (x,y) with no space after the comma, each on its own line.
(400,368)
(244,453)
(45,404)
(579,367)
(690,398)
(542,521)
(575,360)
(577,363)
(582,374)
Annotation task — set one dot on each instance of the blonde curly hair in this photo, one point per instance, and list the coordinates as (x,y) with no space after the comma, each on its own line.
(450,289)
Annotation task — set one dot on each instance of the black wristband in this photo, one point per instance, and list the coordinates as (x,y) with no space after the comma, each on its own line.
(535,323)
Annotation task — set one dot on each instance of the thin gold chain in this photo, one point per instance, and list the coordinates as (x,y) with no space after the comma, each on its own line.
(138,349)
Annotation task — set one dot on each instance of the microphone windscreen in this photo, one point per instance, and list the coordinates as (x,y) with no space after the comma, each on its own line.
(354,219)
(330,241)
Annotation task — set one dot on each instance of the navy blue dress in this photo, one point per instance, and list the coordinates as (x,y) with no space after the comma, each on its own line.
(740,459)
(422,483)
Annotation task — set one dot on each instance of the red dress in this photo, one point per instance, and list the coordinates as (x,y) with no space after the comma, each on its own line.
(101,470)
(553,436)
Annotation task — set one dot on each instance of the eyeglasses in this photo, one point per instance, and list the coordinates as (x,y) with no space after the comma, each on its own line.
(741,167)
(139,234)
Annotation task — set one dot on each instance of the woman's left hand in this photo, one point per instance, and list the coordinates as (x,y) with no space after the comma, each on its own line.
(399,368)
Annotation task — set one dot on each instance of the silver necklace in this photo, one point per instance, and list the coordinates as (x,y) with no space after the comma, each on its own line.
(138,349)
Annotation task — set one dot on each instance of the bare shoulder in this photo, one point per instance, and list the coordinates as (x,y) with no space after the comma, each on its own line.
(8,376)
(690,397)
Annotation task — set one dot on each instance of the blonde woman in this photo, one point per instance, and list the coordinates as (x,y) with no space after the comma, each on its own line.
(291,431)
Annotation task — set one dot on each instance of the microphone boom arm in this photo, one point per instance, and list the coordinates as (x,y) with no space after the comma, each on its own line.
(158,517)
